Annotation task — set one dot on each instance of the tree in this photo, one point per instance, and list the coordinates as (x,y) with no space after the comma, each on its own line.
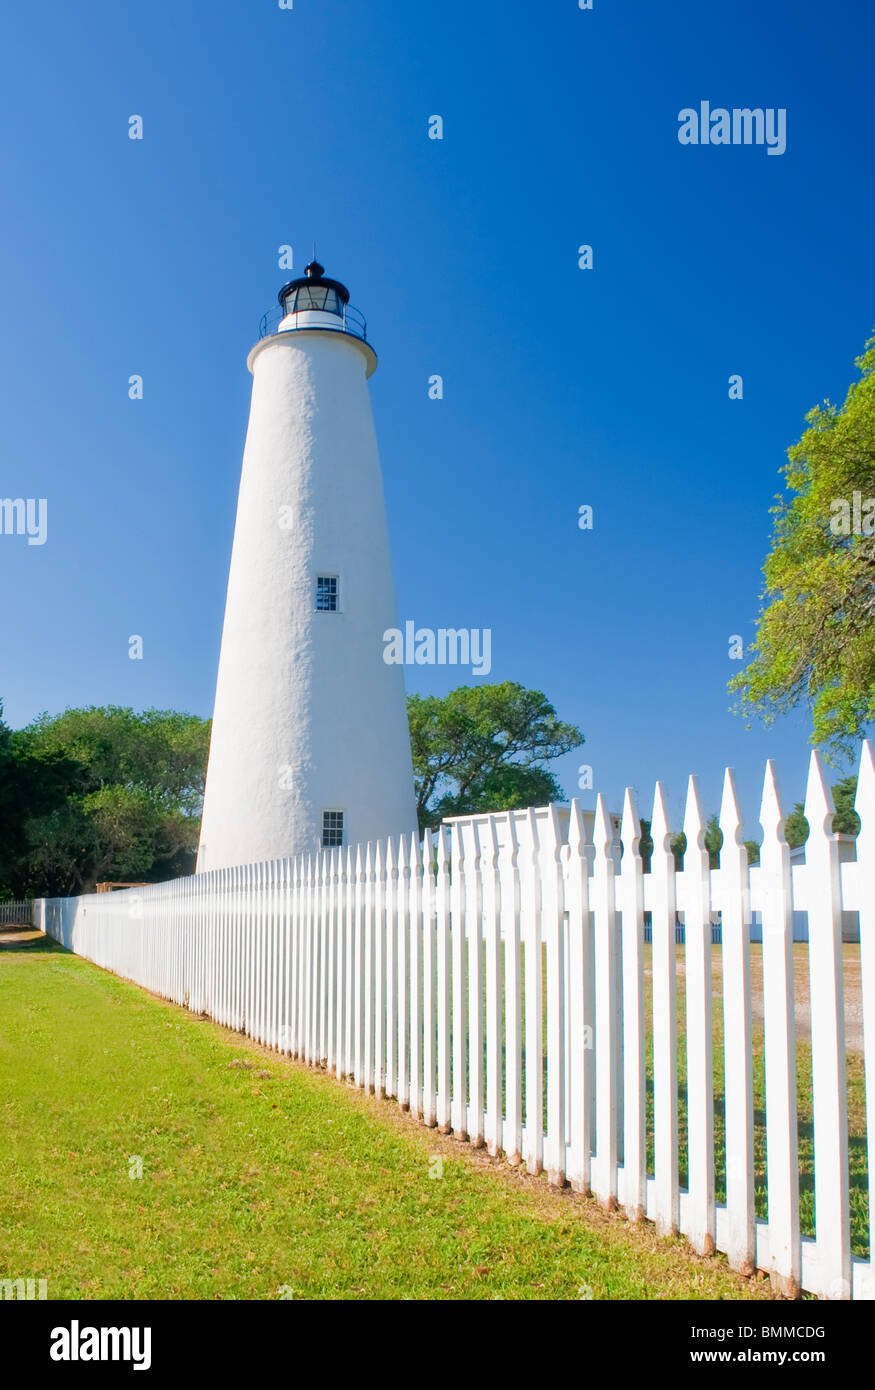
(796,827)
(32,782)
(645,845)
(815,638)
(713,842)
(844,822)
(99,793)
(678,845)
(483,748)
(160,750)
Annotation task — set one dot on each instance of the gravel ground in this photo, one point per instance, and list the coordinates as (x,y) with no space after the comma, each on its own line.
(13,937)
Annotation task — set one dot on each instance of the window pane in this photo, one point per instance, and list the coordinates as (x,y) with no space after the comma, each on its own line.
(312,297)
(332,829)
(326,593)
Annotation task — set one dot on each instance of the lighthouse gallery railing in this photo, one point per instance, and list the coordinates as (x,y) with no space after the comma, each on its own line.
(351,320)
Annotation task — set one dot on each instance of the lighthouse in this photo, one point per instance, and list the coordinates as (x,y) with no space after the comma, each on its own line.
(310,746)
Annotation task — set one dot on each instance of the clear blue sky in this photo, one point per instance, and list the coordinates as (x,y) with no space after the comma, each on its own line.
(562,387)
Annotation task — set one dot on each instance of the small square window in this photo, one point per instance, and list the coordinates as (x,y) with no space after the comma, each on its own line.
(332,829)
(327,593)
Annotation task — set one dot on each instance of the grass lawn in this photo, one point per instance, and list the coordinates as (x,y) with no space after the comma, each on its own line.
(262,1179)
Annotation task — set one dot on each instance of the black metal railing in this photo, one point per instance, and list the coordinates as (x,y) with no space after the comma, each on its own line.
(350,320)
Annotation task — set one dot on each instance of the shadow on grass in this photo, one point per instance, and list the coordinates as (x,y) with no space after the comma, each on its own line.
(22,938)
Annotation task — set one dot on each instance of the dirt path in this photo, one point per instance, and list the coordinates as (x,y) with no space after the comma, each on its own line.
(15,935)
(801,985)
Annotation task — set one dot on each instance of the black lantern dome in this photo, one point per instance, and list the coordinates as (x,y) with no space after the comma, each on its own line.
(315,304)
(314,291)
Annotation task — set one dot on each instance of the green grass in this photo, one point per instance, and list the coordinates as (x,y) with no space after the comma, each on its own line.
(264,1177)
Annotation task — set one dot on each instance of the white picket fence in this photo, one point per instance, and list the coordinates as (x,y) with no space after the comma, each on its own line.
(493,980)
(16,913)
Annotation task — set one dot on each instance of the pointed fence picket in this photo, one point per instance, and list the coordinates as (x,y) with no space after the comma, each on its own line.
(444,1000)
(428,938)
(581,996)
(492,968)
(402,1016)
(474,964)
(696,902)
(634,1186)
(740,1238)
(493,980)
(533,1031)
(550,873)
(606,1033)
(513,1044)
(665,1208)
(458,880)
(830,1119)
(415,957)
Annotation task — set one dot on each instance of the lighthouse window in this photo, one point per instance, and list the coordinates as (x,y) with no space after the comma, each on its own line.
(313,297)
(326,593)
(332,829)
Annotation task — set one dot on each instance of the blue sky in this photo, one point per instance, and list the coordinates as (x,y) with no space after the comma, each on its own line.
(562,387)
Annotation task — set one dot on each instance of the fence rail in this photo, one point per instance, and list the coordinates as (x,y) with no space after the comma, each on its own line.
(18,914)
(494,980)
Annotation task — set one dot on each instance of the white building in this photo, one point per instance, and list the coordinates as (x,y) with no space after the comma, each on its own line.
(480,825)
(310,745)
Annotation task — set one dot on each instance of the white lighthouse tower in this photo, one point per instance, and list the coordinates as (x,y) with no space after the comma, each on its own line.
(310,745)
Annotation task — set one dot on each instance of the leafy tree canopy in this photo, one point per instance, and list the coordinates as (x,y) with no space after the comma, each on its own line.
(678,844)
(99,793)
(815,638)
(845,821)
(483,748)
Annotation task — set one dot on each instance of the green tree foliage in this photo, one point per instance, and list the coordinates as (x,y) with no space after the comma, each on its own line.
(645,845)
(97,794)
(796,827)
(713,842)
(483,748)
(815,638)
(844,822)
(678,846)
(678,843)
(32,782)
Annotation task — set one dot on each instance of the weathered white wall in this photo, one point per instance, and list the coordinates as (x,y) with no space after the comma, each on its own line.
(305,697)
